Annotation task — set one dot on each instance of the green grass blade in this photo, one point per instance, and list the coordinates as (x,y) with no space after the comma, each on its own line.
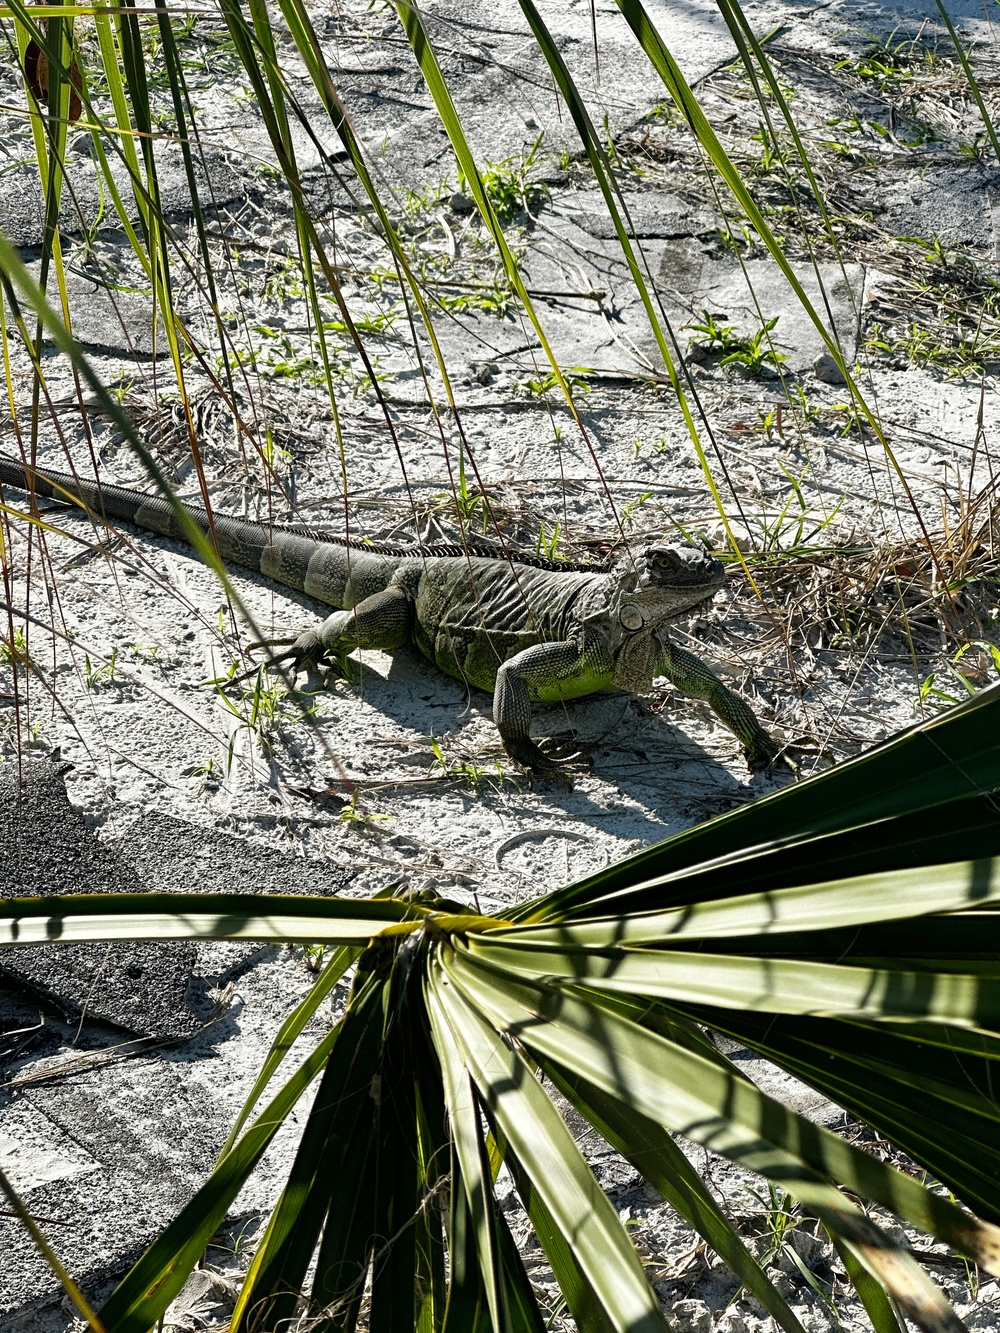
(669,71)
(290,1030)
(73,1293)
(614,202)
(423,50)
(15,276)
(397,1181)
(345,1250)
(970,77)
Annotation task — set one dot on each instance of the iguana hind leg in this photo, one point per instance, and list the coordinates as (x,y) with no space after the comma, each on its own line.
(692,676)
(384,620)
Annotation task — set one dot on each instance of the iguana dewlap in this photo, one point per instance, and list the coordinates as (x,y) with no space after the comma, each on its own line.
(526,630)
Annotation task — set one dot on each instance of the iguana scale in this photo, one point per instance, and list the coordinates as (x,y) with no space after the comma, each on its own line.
(527,630)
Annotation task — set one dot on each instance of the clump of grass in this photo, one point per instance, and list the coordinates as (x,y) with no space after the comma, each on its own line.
(753,353)
(509,184)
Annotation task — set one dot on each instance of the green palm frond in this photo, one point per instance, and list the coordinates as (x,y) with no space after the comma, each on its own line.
(871,988)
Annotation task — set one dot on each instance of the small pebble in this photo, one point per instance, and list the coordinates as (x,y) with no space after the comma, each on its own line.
(691,1317)
(826,370)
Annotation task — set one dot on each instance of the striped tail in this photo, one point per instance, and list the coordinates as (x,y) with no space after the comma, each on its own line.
(323,567)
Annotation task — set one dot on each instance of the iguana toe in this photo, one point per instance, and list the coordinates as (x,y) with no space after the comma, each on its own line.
(533,758)
(564,750)
(764,753)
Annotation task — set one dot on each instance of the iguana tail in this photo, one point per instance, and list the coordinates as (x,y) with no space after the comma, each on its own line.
(314,563)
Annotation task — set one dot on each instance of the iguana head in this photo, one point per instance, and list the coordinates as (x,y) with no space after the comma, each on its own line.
(653,586)
(665,580)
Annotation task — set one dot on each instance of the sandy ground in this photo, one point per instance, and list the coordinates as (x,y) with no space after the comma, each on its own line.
(398,775)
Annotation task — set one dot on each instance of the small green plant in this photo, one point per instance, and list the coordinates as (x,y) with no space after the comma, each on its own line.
(769,422)
(803,405)
(738,237)
(755,353)
(933,251)
(508,185)
(978,150)
(632,507)
(547,544)
(714,337)
(666,113)
(888,62)
(15,651)
(146,652)
(203,770)
(781,1223)
(469,506)
(97,676)
(256,709)
(854,422)
(575,377)
(793,529)
(36,732)
(356,817)
(286,280)
(375,321)
(659,446)
(462,767)
(312,956)
(773,160)
(975,665)
(273,454)
(494,298)
(417,203)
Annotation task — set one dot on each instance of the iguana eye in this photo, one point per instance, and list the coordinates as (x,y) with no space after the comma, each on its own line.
(662,561)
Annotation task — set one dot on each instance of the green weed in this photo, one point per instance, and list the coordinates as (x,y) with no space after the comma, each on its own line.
(975,665)
(547,545)
(14,651)
(632,507)
(356,817)
(753,353)
(780,1222)
(470,773)
(509,186)
(97,676)
(575,377)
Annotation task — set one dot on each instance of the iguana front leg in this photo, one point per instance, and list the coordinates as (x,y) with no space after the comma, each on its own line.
(692,676)
(384,620)
(541,668)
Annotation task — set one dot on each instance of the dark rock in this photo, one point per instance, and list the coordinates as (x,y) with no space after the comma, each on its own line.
(47,849)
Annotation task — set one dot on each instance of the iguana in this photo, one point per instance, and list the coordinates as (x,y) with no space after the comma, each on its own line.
(527,630)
